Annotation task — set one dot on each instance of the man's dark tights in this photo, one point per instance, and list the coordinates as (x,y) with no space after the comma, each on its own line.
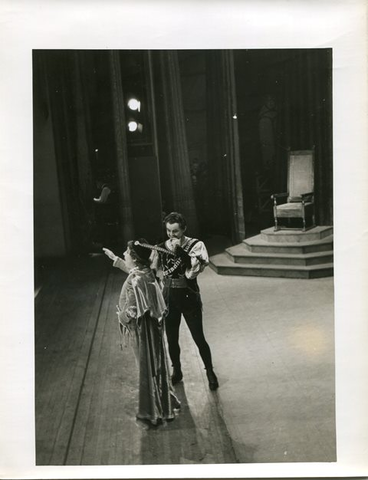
(187,302)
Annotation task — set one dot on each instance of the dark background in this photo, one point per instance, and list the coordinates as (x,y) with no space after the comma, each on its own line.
(199,151)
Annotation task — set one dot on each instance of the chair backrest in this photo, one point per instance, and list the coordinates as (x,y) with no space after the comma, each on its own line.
(300,173)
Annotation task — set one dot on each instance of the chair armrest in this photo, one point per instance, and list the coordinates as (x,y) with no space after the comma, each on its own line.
(306,196)
(310,194)
(274,196)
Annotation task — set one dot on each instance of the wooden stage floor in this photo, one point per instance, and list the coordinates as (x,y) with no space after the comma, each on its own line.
(86,382)
(276,397)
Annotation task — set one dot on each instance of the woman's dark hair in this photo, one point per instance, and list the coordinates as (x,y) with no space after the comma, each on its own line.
(175,217)
(141,255)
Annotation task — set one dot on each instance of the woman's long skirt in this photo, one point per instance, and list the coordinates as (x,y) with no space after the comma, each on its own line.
(157,401)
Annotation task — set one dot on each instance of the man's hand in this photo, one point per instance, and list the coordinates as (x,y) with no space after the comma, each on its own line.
(175,242)
(182,254)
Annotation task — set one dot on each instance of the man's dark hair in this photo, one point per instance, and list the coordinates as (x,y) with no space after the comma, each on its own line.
(175,217)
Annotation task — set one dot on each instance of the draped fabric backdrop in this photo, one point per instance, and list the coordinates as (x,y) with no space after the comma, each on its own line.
(48,208)
(72,146)
(174,150)
(80,109)
(82,132)
(122,168)
(226,191)
(307,120)
(235,187)
(300,83)
(219,211)
(71,86)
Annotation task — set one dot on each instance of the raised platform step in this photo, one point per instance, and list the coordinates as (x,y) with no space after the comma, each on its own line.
(296,236)
(222,264)
(257,244)
(240,254)
(284,253)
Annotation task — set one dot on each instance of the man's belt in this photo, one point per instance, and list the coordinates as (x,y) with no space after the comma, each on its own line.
(180,282)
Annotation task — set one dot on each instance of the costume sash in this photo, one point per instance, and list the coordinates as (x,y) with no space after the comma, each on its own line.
(178,263)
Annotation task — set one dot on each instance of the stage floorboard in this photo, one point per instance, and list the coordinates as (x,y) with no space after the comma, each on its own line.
(273,351)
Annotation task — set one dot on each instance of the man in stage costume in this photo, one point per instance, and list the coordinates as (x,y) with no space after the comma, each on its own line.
(180,260)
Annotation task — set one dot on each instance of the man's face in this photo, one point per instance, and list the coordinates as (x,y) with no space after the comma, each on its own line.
(174,230)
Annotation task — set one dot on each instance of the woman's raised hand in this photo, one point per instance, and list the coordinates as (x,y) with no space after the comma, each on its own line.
(110,254)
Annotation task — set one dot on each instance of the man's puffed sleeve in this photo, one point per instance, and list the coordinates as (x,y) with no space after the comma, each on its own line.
(199,260)
(156,262)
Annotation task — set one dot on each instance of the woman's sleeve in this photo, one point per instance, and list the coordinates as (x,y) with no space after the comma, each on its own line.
(129,309)
(120,263)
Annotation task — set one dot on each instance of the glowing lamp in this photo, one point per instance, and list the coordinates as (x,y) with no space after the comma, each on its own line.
(132,126)
(134,104)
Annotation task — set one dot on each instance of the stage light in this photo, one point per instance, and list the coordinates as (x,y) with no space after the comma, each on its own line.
(132,126)
(134,104)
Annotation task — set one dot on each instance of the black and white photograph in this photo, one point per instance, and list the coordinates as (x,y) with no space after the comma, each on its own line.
(185,240)
(210,174)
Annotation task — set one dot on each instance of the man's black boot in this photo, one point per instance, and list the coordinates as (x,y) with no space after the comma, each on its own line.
(177,375)
(212,379)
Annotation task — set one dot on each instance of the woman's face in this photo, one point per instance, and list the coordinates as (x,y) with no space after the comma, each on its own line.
(130,263)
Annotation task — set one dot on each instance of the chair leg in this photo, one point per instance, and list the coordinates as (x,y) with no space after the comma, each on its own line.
(303,212)
(275,218)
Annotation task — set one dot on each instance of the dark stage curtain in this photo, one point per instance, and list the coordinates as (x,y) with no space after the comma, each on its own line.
(285,102)
(225,180)
(306,116)
(173,152)
(74,105)
(84,185)
(71,132)
(122,166)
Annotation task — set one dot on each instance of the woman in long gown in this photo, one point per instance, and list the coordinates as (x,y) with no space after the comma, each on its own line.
(141,312)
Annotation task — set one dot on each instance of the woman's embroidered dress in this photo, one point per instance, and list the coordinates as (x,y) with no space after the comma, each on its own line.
(141,321)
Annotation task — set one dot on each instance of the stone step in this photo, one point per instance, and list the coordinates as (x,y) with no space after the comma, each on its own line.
(257,244)
(296,236)
(222,265)
(239,254)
